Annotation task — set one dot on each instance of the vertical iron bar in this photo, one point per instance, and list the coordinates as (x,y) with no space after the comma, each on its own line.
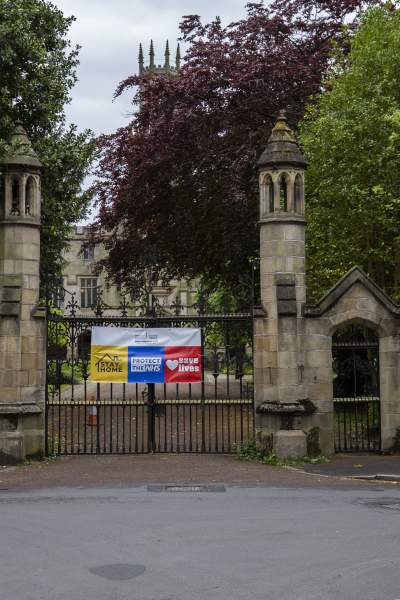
(136,428)
(130,427)
(196,428)
(229,428)
(190,427)
(84,414)
(123,423)
(91,404)
(235,423)
(111,434)
(98,419)
(178,449)
(46,389)
(165,426)
(171,428)
(144,413)
(203,424)
(344,428)
(158,443)
(151,417)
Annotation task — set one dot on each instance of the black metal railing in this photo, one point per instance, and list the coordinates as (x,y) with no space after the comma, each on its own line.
(355,351)
(357,424)
(84,417)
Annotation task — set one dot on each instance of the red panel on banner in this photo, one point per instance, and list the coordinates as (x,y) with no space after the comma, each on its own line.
(183,364)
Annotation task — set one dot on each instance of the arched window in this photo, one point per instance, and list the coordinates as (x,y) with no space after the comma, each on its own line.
(263,199)
(283,192)
(15,193)
(269,185)
(30,196)
(298,195)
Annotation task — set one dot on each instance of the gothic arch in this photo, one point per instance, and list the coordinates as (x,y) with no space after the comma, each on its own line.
(298,194)
(267,204)
(284,182)
(349,318)
(30,196)
(15,196)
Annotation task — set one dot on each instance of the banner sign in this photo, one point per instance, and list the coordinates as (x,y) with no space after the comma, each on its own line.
(122,355)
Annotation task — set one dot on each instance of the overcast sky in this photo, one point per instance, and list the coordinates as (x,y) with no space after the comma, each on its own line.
(109,32)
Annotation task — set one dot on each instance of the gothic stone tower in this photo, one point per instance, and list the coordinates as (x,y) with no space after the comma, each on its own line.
(22,326)
(166,68)
(279,325)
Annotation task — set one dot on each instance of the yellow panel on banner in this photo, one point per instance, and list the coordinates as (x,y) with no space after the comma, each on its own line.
(109,363)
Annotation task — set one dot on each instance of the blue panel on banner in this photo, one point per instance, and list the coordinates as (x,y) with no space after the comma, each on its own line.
(145,364)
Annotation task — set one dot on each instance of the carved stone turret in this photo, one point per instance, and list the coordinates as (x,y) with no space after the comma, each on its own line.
(282,223)
(281,167)
(22,327)
(279,325)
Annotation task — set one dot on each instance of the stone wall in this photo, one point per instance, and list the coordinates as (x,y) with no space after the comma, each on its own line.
(22,344)
(355,299)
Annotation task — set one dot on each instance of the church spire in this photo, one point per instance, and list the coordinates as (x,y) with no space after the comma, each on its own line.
(178,58)
(167,55)
(151,53)
(141,60)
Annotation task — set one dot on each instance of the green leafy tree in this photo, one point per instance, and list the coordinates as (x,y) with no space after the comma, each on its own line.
(351,136)
(37,71)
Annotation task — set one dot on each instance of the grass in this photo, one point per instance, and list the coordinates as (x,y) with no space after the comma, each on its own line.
(252,451)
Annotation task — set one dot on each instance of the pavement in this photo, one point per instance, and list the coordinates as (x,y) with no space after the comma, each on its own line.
(103,470)
(359,465)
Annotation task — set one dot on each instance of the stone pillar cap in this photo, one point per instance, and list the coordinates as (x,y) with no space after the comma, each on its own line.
(282,148)
(20,151)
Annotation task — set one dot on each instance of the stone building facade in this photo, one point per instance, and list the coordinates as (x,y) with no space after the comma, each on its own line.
(79,277)
(293,341)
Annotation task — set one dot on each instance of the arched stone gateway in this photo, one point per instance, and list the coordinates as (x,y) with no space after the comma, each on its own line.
(296,346)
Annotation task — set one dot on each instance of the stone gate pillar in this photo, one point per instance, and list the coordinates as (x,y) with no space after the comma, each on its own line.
(279,324)
(22,324)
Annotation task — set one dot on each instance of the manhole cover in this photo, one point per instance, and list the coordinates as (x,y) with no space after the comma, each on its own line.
(186,488)
(118,572)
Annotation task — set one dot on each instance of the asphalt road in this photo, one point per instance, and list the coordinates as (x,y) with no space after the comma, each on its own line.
(259,543)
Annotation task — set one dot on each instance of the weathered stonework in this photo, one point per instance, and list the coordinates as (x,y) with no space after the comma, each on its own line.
(292,342)
(354,299)
(22,325)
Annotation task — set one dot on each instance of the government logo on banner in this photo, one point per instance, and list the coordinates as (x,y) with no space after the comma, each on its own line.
(123,355)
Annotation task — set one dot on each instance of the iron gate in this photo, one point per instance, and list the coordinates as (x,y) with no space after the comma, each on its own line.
(92,418)
(356,399)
